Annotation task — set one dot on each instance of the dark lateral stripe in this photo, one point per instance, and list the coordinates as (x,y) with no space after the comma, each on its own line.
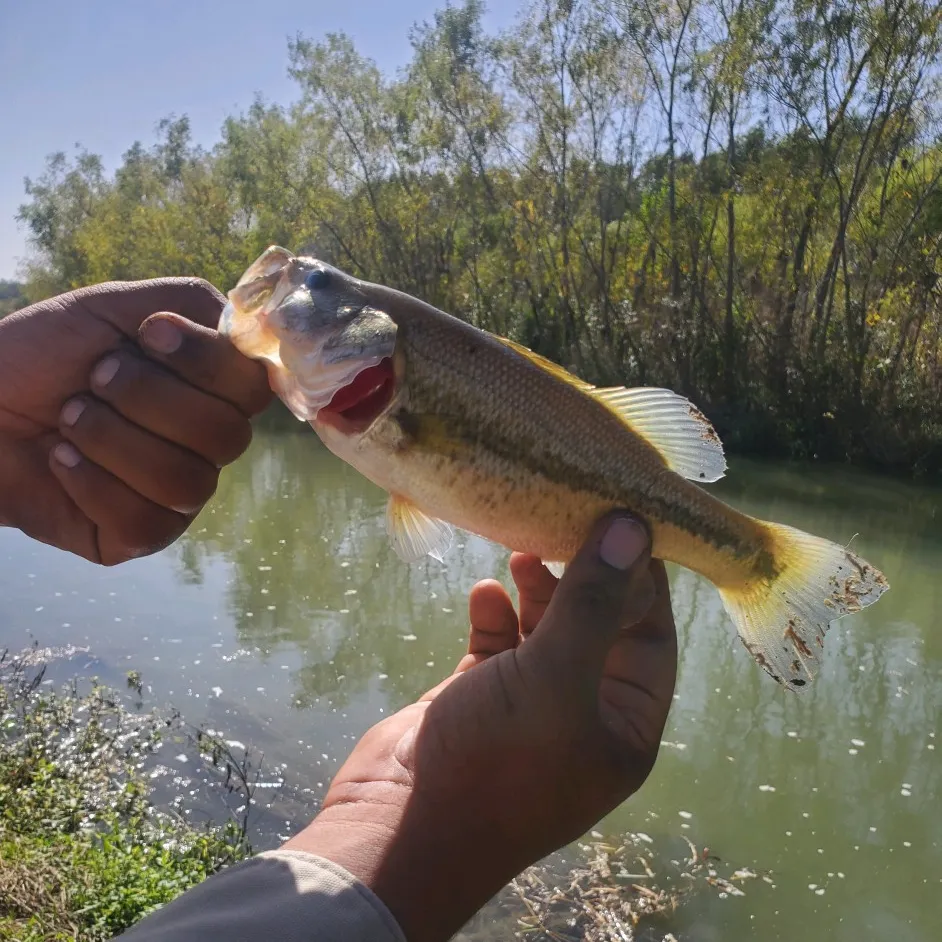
(462,435)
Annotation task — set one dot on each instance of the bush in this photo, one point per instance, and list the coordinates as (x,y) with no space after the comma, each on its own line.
(84,854)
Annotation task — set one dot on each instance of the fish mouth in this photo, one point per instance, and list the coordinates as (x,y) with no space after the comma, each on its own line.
(354,407)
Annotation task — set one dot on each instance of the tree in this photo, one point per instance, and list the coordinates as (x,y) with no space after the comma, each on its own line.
(739,199)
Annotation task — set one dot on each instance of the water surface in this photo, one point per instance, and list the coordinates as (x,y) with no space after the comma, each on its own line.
(284,619)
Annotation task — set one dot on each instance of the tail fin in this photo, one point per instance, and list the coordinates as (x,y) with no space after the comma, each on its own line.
(782,622)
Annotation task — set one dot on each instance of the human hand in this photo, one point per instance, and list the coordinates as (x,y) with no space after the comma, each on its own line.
(115,417)
(552,719)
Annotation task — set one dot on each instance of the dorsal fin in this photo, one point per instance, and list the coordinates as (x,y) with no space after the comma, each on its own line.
(545,364)
(671,424)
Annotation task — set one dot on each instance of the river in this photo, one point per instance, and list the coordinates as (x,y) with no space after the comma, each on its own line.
(284,619)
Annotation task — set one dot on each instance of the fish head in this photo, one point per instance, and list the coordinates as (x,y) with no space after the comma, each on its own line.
(329,351)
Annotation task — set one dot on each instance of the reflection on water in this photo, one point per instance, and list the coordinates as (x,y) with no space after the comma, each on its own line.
(284,618)
(314,572)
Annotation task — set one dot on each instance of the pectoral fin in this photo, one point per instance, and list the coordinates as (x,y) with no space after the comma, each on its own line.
(413,533)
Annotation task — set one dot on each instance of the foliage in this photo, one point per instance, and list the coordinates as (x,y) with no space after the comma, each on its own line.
(83,852)
(11,297)
(738,199)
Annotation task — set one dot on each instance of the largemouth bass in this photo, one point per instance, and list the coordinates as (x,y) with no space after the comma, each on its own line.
(466,429)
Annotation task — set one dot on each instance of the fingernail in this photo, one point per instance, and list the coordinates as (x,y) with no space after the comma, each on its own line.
(624,541)
(104,373)
(162,336)
(66,454)
(71,412)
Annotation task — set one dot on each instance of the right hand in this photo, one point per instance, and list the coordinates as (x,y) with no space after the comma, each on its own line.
(552,719)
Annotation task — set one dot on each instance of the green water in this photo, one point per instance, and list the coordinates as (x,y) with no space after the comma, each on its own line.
(285,620)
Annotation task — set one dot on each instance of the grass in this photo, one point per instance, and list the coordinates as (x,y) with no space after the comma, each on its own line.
(84,853)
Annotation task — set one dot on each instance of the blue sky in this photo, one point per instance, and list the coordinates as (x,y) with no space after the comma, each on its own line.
(102,73)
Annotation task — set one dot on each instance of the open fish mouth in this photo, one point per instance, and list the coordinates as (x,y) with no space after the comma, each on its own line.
(356,406)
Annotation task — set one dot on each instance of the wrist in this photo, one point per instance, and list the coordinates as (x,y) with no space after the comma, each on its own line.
(432,875)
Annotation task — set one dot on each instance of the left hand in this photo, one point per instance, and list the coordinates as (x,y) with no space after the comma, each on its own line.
(550,721)
(119,404)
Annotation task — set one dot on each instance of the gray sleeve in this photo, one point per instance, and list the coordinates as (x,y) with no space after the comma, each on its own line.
(290,896)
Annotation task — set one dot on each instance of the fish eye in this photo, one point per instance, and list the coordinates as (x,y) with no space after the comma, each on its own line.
(317,279)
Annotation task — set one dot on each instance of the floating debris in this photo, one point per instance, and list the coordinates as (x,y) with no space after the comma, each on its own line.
(620,889)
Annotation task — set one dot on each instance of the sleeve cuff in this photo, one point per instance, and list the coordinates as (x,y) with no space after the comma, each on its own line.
(288,895)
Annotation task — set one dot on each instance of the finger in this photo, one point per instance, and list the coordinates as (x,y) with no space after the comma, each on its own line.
(641,671)
(536,585)
(128,525)
(658,623)
(127,304)
(158,470)
(494,626)
(606,587)
(207,360)
(160,402)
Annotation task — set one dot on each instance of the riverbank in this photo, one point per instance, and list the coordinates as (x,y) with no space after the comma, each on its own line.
(84,853)
(87,849)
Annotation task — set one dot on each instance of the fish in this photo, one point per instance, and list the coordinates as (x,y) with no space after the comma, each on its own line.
(469,430)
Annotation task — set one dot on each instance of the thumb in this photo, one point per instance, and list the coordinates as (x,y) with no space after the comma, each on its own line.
(607,587)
